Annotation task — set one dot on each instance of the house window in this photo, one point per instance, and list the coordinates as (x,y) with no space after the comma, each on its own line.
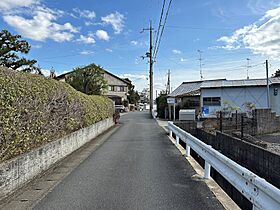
(111,88)
(212,101)
(122,88)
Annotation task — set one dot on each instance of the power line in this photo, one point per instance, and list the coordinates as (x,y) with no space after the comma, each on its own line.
(166,16)
(214,28)
(159,24)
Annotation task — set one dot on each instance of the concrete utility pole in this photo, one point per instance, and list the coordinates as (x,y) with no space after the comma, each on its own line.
(151,61)
(151,69)
(200,63)
(267,84)
(168,86)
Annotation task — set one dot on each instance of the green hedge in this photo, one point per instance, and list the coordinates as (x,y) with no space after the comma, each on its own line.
(35,110)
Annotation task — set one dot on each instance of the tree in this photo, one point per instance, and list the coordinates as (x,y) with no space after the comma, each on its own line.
(133,96)
(161,104)
(89,80)
(277,73)
(10,47)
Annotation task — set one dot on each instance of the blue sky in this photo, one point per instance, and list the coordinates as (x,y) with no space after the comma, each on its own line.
(66,34)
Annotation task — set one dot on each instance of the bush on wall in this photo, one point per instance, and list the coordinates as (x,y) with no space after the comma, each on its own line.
(35,110)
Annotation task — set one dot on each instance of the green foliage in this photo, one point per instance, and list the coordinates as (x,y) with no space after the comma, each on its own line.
(35,110)
(133,96)
(249,106)
(125,103)
(229,108)
(10,47)
(161,105)
(276,74)
(89,80)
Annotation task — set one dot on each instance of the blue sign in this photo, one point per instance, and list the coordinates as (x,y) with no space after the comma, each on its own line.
(205,110)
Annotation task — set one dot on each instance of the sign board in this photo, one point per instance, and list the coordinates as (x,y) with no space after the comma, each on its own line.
(205,111)
(171,100)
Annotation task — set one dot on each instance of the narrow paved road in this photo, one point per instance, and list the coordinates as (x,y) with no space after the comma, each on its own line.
(136,168)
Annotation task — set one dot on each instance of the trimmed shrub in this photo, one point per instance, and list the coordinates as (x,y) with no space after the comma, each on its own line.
(35,110)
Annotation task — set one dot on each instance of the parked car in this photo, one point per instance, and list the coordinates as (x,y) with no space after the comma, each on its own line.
(120,108)
(140,107)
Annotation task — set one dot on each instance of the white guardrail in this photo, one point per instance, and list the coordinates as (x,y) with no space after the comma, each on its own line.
(258,191)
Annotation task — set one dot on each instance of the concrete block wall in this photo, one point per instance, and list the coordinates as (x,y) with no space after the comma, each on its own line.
(16,172)
(266,121)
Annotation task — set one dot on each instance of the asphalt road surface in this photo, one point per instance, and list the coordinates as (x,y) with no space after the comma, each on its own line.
(136,168)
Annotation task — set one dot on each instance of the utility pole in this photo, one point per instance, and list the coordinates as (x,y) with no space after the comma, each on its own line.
(248,66)
(168,86)
(200,63)
(151,69)
(267,84)
(150,56)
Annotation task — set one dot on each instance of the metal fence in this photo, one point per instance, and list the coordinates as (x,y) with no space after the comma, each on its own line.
(257,190)
(237,122)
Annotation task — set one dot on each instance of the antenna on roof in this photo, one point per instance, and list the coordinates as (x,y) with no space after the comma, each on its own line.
(200,63)
(248,66)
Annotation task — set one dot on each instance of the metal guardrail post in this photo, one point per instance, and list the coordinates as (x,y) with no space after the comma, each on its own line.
(207,169)
(177,140)
(188,150)
(257,190)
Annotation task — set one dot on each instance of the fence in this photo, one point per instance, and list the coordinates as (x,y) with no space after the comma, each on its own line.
(258,191)
(260,121)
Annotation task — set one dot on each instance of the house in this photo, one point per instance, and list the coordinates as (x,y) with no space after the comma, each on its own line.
(187,96)
(210,96)
(237,93)
(117,87)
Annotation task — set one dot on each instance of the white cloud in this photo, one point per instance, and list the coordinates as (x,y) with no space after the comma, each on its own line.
(13,4)
(134,42)
(86,39)
(103,35)
(88,23)
(183,60)
(86,52)
(259,7)
(42,25)
(116,20)
(45,72)
(85,13)
(109,50)
(176,52)
(36,46)
(134,76)
(261,37)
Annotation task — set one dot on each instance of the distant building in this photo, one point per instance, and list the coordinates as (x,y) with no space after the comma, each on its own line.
(211,96)
(215,94)
(188,95)
(144,96)
(117,87)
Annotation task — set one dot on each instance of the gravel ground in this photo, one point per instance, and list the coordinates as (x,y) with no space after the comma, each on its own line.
(273,142)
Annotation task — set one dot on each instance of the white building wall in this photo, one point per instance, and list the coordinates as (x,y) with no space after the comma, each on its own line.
(236,96)
(275,99)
